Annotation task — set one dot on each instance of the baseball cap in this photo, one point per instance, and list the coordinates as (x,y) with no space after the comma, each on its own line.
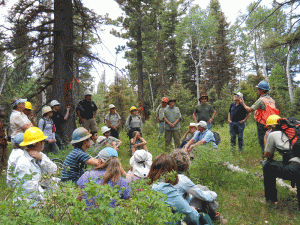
(106,153)
(111,106)
(18,139)
(202,124)
(193,125)
(239,94)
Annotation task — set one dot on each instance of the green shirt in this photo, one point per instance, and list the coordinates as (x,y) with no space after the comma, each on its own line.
(204,112)
(259,104)
(172,114)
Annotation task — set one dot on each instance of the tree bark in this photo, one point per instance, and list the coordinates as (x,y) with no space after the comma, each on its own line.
(63,62)
(288,61)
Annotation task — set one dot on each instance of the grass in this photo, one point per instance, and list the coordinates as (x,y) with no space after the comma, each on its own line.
(240,195)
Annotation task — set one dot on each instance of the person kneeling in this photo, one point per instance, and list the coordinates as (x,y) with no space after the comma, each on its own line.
(34,163)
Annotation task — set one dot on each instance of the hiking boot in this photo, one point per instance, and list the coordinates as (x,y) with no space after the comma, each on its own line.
(220,219)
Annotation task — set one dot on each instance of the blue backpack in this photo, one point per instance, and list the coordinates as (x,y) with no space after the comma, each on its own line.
(204,219)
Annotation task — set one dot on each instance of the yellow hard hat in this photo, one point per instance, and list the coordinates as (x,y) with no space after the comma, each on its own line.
(133,108)
(28,105)
(272,120)
(33,135)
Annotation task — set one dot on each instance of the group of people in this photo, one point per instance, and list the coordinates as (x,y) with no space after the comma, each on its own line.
(29,141)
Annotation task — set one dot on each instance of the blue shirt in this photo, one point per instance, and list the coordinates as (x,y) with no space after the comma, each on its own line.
(46,125)
(74,164)
(207,136)
(237,112)
(175,199)
(97,175)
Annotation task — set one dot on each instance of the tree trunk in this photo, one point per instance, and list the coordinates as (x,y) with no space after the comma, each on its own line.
(288,61)
(63,62)
(139,56)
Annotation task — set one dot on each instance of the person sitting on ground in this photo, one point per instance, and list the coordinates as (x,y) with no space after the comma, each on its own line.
(28,112)
(108,171)
(189,134)
(47,126)
(287,169)
(111,141)
(137,142)
(140,162)
(14,156)
(162,165)
(94,144)
(133,122)
(113,120)
(271,124)
(34,163)
(78,158)
(197,196)
(202,137)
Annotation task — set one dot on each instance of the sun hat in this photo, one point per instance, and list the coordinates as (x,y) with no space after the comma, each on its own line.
(112,106)
(141,162)
(106,153)
(202,124)
(80,134)
(46,109)
(101,139)
(239,94)
(104,129)
(54,102)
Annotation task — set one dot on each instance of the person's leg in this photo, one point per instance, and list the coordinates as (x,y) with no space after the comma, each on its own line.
(55,148)
(168,138)
(46,148)
(93,125)
(261,131)
(114,133)
(176,135)
(232,135)
(161,130)
(85,124)
(241,128)
(183,144)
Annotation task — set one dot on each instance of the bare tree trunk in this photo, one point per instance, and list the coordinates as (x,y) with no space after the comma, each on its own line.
(63,62)
(3,82)
(288,61)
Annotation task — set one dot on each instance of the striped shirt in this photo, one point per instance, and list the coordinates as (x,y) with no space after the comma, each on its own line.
(74,164)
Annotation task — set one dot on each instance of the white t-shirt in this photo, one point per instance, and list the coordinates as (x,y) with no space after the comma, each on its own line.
(17,120)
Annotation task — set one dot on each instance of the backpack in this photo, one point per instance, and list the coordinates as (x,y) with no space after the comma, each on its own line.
(291,127)
(217,138)
(204,219)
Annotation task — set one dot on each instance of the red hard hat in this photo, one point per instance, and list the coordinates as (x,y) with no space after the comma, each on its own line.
(165,99)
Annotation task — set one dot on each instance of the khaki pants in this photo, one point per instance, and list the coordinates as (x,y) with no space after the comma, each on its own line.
(90,125)
(168,138)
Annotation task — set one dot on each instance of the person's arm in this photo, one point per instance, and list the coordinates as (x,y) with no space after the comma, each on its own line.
(249,109)
(247,117)
(119,122)
(48,166)
(184,136)
(176,121)
(81,120)
(195,117)
(229,118)
(213,117)
(168,122)
(202,142)
(26,126)
(92,161)
(157,117)
(143,142)
(119,143)
(108,123)
(95,114)
(127,124)
(133,140)
(67,113)
(186,147)
(270,147)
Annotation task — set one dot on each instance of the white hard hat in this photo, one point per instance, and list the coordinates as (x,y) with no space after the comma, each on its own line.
(104,129)
(202,124)
(101,139)
(46,109)
(87,92)
(111,106)
(54,102)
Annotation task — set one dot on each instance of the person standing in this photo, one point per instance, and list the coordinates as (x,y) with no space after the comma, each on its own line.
(133,122)
(237,117)
(28,112)
(19,122)
(204,112)
(113,120)
(263,107)
(58,120)
(47,126)
(87,112)
(172,117)
(160,116)
(3,142)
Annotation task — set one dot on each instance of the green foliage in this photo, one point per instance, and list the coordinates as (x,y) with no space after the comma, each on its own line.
(296,103)
(278,79)
(222,105)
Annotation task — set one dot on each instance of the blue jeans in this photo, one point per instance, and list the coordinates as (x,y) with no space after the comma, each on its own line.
(161,129)
(261,131)
(236,128)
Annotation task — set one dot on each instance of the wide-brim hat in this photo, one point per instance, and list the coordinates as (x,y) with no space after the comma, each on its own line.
(80,134)
(46,109)
(204,96)
(101,139)
(141,162)
(104,129)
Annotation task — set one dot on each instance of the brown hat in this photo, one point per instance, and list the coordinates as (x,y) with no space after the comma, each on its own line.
(204,96)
